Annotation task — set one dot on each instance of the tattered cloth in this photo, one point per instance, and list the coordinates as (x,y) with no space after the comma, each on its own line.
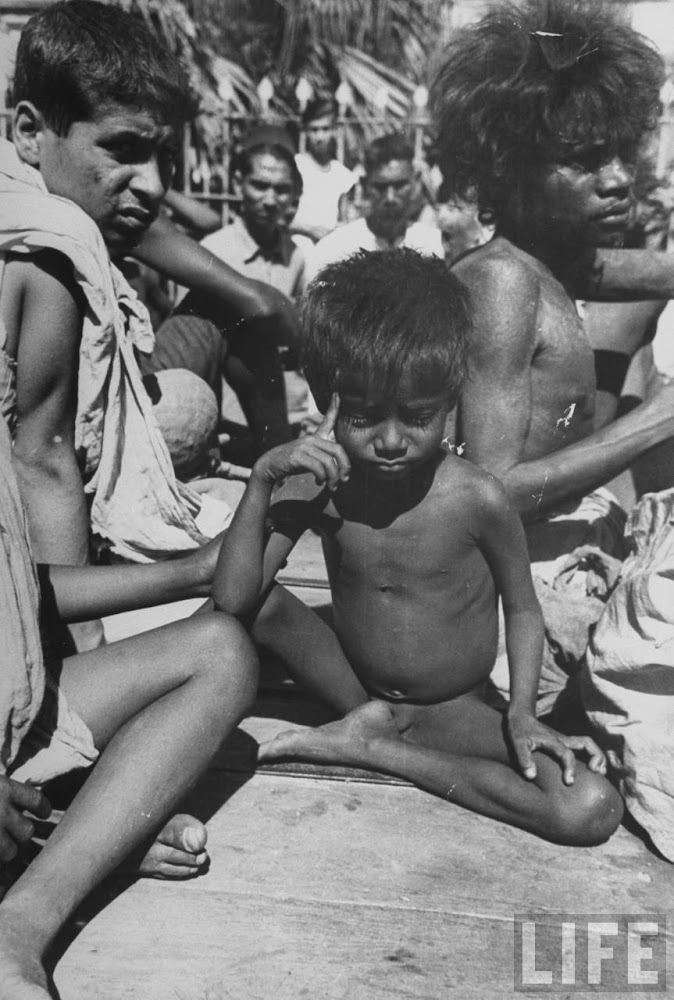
(137,502)
(627,683)
(571,596)
(22,677)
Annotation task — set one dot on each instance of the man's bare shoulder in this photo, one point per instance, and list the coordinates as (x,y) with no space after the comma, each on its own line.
(40,281)
(39,271)
(498,263)
(506,291)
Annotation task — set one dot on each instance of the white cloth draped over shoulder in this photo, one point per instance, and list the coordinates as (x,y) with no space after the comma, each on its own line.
(138,505)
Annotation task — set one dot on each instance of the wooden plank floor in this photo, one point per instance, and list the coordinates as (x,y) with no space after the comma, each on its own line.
(339,885)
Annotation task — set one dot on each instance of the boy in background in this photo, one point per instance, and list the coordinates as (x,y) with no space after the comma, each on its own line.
(325,179)
(419,546)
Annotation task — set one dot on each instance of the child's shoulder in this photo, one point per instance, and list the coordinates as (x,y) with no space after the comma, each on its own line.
(461,483)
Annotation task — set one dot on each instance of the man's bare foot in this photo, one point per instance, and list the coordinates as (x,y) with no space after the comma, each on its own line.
(22,974)
(178,852)
(348,741)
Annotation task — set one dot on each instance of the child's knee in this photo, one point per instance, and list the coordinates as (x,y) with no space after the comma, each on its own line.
(586,813)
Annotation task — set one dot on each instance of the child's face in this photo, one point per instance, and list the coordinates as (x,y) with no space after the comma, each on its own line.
(392,437)
(117,168)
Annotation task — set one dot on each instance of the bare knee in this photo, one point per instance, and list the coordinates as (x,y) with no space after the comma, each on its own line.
(225,658)
(586,813)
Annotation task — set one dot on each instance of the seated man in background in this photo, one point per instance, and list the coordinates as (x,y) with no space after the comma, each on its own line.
(210,339)
(389,189)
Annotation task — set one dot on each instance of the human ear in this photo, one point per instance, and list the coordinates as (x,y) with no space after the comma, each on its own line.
(27,130)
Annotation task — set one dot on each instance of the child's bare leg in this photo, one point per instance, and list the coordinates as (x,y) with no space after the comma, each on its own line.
(457,750)
(309,649)
(159,704)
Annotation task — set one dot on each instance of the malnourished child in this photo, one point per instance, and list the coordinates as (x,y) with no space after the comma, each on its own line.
(419,545)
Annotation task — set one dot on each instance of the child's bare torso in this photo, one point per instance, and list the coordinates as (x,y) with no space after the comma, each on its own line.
(414,600)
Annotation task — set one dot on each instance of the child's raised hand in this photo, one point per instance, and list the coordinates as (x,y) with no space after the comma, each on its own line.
(528,734)
(16,828)
(319,454)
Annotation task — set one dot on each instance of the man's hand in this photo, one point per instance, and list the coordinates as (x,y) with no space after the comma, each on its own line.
(270,314)
(319,454)
(204,560)
(15,828)
(527,734)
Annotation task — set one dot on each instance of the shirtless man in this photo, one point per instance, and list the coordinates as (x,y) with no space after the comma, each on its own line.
(555,175)
(551,102)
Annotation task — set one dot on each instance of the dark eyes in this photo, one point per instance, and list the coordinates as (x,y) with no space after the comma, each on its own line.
(140,152)
(591,161)
(419,420)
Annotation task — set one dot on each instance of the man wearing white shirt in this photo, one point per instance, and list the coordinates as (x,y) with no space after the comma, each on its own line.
(325,180)
(390,179)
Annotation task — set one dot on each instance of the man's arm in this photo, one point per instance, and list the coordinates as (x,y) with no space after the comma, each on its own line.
(170,251)
(496,408)
(195,214)
(79,593)
(621,275)
(50,329)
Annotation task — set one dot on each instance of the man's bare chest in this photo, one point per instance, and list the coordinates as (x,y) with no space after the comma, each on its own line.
(563,372)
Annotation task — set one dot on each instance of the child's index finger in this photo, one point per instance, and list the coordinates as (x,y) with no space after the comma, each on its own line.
(327,425)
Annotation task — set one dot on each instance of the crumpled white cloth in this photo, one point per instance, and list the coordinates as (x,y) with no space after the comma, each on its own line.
(137,502)
(627,683)
(22,677)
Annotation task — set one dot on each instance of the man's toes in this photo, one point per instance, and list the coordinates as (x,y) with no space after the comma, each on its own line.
(164,870)
(184,833)
(162,861)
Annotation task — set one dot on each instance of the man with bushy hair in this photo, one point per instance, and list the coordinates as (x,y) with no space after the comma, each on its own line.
(541,110)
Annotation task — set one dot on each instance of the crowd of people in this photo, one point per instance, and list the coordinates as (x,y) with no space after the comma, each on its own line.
(467,427)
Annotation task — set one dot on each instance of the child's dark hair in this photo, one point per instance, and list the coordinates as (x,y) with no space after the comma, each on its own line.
(74,58)
(392,146)
(535,84)
(380,315)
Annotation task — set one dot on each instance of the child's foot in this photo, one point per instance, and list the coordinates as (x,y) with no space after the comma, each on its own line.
(178,852)
(348,741)
(22,974)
